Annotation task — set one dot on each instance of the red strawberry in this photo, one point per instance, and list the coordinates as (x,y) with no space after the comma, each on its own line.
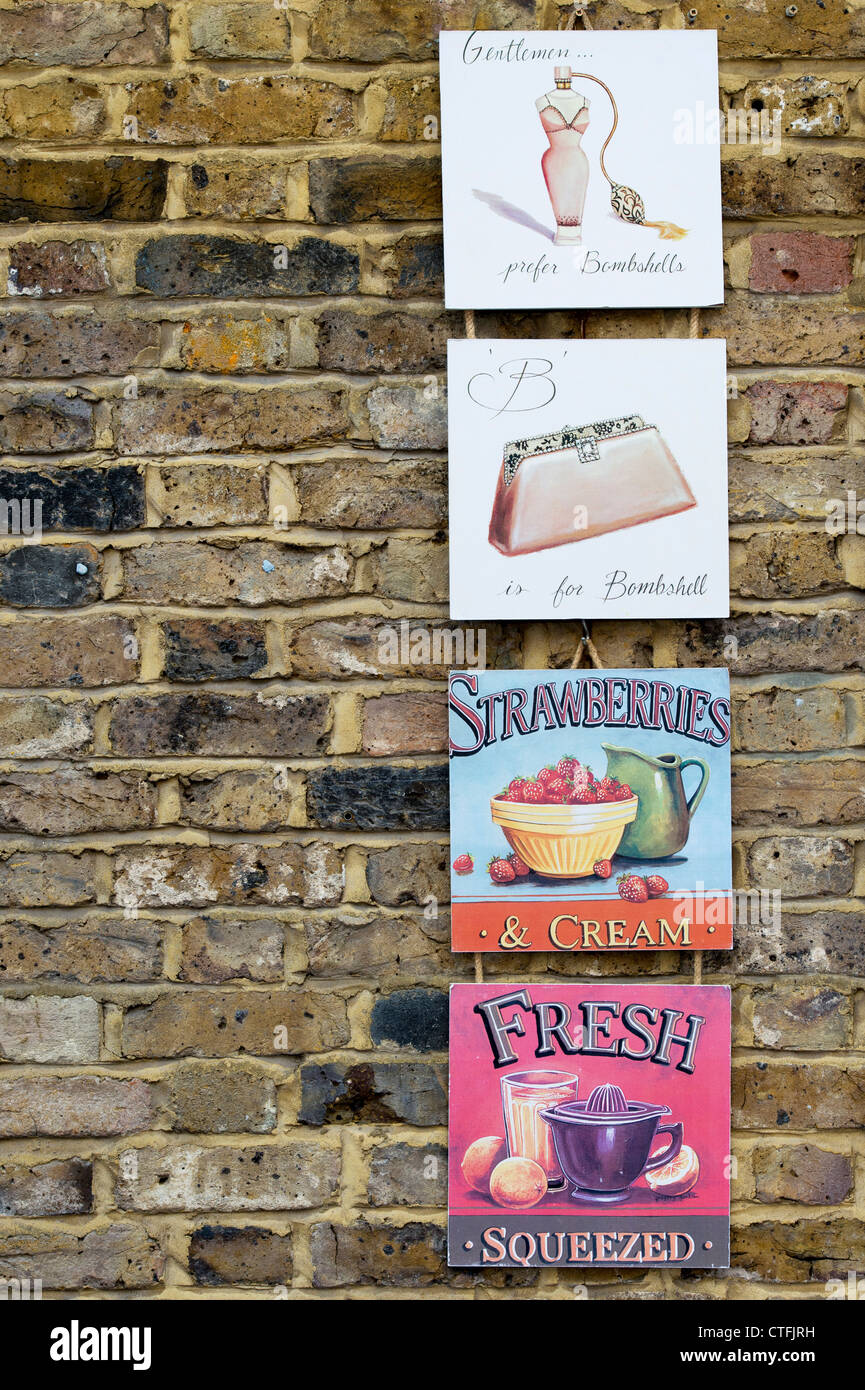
(603,868)
(656,885)
(547,775)
(506,796)
(534,792)
(582,774)
(515,787)
(607,788)
(583,794)
(568,768)
(557,789)
(624,793)
(632,888)
(501,871)
(519,866)
(463,864)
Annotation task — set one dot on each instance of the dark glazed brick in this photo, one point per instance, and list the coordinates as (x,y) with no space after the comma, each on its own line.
(363,190)
(117,189)
(415,1018)
(45,423)
(226,266)
(219,725)
(373,1093)
(40,576)
(379,798)
(239,1255)
(80,499)
(196,650)
(57,267)
(416,267)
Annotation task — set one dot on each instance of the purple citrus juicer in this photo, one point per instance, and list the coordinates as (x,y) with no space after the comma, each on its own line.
(603,1143)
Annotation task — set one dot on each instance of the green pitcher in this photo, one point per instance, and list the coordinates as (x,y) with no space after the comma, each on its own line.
(663,820)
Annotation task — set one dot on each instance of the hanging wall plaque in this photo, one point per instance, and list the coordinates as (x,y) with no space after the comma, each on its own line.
(590,810)
(589,1126)
(580,169)
(588,479)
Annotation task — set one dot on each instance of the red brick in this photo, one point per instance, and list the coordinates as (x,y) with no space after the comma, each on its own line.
(800,262)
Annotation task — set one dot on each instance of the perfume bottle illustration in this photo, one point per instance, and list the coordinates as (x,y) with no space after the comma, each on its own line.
(564,116)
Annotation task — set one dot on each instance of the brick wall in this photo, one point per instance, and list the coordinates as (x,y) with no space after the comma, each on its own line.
(223,1014)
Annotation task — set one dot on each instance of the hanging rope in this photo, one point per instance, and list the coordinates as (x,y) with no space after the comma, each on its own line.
(578,13)
(694,325)
(587,645)
(479,960)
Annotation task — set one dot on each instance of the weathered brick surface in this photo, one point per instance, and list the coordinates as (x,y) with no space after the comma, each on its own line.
(185,1178)
(206,110)
(235,873)
(58,267)
(373,1093)
(117,1256)
(409,1256)
(101,650)
(37,576)
(49,1029)
(224,879)
(43,34)
(247,30)
(34,345)
(222,1255)
(215,1024)
(34,726)
(74,1105)
(62,1188)
(119,188)
(252,573)
(802,1173)
(221,1098)
(267,725)
(80,498)
(86,949)
(226,266)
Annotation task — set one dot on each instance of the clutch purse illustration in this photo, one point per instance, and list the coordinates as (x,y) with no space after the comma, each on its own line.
(583,481)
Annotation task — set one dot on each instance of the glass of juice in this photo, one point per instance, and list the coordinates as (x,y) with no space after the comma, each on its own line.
(524,1095)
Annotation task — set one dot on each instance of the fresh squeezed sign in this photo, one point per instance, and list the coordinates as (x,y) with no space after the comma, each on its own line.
(589,1126)
(590,810)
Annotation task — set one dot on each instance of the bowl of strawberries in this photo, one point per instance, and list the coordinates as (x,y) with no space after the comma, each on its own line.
(564,820)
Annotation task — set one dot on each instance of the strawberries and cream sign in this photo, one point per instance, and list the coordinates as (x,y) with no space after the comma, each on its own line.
(590,810)
(589,1126)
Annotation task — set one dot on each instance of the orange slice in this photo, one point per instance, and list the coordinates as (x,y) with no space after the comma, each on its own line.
(678,1177)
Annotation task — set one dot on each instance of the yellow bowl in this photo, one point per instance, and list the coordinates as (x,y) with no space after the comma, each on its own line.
(564,841)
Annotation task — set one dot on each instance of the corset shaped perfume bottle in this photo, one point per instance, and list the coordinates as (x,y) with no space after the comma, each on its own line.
(564,116)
